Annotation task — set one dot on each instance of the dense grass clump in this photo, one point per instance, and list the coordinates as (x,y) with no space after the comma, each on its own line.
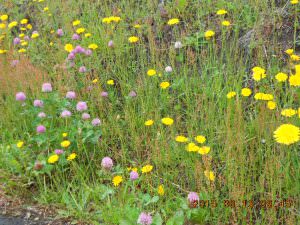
(152,112)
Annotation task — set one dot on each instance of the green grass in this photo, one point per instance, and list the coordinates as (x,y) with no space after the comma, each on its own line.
(247,162)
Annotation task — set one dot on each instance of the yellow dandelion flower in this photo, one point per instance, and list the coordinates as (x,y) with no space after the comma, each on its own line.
(110,82)
(46,9)
(146,169)
(258,73)
(246,92)
(200,139)
(192,147)
(137,26)
(226,23)
(72,156)
(287,134)
(281,77)
(294,2)
(149,123)
(289,51)
(80,30)
(24,21)
(209,34)
(68,47)
(20,144)
(160,190)
(173,21)
(271,105)
(204,150)
(295,57)
(93,46)
(295,80)
(29,26)
(151,72)
(288,112)
(53,159)
(209,175)
(221,12)
(94,81)
(181,139)
(35,35)
(133,39)
(65,144)
(88,35)
(231,94)
(167,121)
(2,25)
(164,85)
(22,50)
(117,180)
(64,134)
(75,23)
(3,17)
(12,24)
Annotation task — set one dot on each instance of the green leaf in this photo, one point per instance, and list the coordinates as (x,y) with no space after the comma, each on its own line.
(157,220)
(177,219)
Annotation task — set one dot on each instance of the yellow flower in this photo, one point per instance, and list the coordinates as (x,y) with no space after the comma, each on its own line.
(173,21)
(151,72)
(231,94)
(288,112)
(53,159)
(209,175)
(71,156)
(246,92)
(46,9)
(24,43)
(2,51)
(164,84)
(160,190)
(110,82)
(80,30)
(22,50)
(289,51)
(29,26)
(3,17)
(209,34)
(35,35)
(287,134)
(65,134)
(20,144)
(51,43)
(258,73)
(146,169)
(65,144)
(181,139)
(68,47)
(294,80)
(24,21)
(295,57)
(133,39)
(226,23)
(294,2)
(281,77)
(167,121)
(204,150)
(117,180)
(21,35)
(200,139)
(87,35)
(93,46)
(221,12)
(149,123)
(76,22)
(2,25)
(263,96)
(94,81)
(12,24)
(137,26)
(271,105)
(192,147)
(299,112)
